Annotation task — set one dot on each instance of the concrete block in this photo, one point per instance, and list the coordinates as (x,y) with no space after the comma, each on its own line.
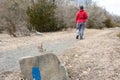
(49,65)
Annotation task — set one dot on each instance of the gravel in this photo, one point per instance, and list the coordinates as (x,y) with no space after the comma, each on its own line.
(94,58)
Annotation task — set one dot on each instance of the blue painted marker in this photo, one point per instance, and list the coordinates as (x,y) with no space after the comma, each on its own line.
(36,71)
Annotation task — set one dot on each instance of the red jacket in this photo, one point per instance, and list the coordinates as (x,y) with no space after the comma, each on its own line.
(81,16)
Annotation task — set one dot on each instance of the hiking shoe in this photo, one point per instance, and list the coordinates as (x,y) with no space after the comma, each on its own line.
(77,37)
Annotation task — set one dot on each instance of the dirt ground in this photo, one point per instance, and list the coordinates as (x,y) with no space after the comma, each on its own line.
(10,43)
(97,57)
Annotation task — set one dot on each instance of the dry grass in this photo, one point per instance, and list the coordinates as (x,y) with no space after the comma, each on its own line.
(95,58)
(118,35)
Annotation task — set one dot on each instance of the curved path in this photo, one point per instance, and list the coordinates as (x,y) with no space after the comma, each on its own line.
(12,49)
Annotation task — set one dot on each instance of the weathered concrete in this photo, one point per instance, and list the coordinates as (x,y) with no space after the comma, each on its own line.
(50,67)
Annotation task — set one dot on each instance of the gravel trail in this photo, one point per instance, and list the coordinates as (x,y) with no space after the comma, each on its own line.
(12,49)
(83,56)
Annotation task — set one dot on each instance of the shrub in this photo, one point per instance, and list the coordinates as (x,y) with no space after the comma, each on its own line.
(41,16)
(13,16)
(97,15)
(94,24)
(118,35)
(109,23)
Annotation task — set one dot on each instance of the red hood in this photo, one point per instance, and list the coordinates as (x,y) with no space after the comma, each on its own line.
(81,16)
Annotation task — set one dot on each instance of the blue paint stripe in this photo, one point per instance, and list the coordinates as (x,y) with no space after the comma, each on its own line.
(36,71)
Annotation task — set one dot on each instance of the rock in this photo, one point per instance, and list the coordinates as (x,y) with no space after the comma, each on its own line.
(38,33)
(50,67)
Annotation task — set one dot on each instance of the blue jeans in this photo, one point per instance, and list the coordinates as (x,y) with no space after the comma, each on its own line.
(80,29)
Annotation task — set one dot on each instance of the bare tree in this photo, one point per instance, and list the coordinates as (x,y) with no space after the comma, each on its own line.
(14,16)
(65,12)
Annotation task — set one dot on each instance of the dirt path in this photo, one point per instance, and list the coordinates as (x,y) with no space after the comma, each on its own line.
(85,59)
(95,58)
(12,49)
